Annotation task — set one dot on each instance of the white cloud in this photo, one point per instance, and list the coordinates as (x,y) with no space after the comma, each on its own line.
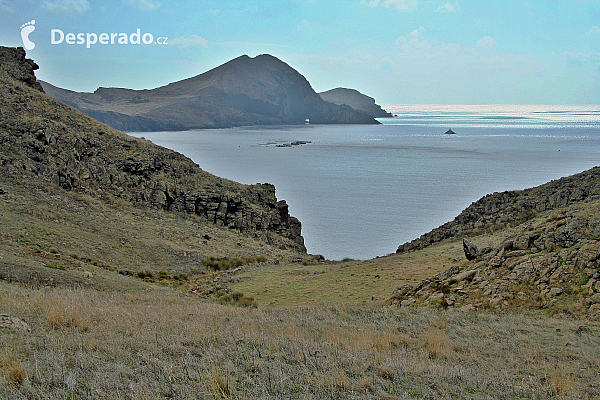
(144,4)
(413,41)
(67,6)
(397,4)
(577,58)
(193,40)
(5,6)
(448,7)
(594,30)
(486,43)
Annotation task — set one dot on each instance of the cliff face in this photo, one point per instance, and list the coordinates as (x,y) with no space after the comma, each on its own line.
(356,100)
(45,142)
(245,91)
(499,210)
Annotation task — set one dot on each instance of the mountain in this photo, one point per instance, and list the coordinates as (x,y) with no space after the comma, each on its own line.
(245,91)
(356,100)
(47,145)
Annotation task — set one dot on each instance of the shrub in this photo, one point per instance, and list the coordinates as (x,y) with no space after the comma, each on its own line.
(237,298)
(225,263)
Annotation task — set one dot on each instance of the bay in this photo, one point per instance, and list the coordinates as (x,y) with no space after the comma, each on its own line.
(360,191)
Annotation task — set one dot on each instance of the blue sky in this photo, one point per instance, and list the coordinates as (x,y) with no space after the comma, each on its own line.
(398,51)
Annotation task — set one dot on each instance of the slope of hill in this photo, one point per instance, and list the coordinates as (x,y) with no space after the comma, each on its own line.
(551,261)
(356,100)
(244,91)
(46,142)
(499,210)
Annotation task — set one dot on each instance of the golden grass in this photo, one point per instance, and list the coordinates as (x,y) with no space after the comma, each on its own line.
(12,369)
(160,343)
(437,344)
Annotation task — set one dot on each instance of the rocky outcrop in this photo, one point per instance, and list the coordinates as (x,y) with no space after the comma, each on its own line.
(356,100)
(499,210)
(45,142)
(552,263)
(245,91)
(14,63)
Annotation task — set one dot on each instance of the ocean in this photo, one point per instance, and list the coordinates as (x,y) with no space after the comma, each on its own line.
(360,191)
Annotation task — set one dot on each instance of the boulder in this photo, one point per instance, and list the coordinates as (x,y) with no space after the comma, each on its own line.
(8,322)
(555,291)
(471,251)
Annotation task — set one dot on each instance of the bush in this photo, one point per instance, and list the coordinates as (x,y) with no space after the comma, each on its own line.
(225,263)
(237,298)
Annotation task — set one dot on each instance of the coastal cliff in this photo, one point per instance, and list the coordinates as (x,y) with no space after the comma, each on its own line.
(244,91)
(356,100)
(46,143)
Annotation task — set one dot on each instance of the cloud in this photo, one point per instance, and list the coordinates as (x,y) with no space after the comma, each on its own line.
(413,41)
(144,4)
(233,43)
(193,40)
(67,6)
(486,43)
(397,4)
(448,7)
(5,6)
(579,59)
(594,30)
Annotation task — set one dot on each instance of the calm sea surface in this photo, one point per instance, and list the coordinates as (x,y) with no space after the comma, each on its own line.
(360,191)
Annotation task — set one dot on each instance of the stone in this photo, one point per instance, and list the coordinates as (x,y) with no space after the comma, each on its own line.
(555,291)
(595,299)
(403,290)
(471,251)
(583,330)
(594,309)
(466,275)
(467,308)
(8,322)
(407,302)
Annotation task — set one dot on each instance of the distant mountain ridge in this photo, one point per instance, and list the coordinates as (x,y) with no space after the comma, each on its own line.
(244,91)
(356,100)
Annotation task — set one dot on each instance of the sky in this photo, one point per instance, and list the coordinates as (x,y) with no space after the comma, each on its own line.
(398,51)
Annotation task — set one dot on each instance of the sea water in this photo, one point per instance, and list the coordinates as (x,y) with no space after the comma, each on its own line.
(360,191)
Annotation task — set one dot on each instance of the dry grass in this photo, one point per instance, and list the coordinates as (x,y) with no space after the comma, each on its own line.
(12,369)
(157,343)
(66,312)
(563,381)
(437,344)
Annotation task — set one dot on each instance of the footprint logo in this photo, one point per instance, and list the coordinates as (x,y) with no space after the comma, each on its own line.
(26,29)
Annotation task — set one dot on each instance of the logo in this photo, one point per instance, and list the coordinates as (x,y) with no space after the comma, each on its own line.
(57,36)
(26,29)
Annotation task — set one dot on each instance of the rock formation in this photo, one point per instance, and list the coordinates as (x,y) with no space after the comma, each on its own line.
(46,142)
(552,262)
(356,100)
(511,208)
(245,91)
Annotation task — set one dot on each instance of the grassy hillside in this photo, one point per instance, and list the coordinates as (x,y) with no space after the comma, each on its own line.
(126,272)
